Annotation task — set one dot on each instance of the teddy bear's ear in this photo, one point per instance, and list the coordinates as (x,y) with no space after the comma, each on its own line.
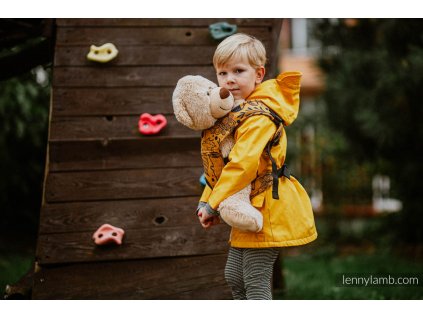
(179,107)
(181,114)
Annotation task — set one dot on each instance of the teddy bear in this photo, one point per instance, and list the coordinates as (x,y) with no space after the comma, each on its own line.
(198,103)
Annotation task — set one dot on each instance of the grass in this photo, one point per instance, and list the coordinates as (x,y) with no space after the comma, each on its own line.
(12,267)
(319,276)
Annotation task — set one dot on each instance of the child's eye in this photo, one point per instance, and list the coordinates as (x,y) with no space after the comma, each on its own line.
(239,70)
(222,73)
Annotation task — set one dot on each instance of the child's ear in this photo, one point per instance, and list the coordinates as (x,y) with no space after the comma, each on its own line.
(260,72)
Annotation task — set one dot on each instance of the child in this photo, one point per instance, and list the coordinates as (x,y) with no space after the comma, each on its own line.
(287,214)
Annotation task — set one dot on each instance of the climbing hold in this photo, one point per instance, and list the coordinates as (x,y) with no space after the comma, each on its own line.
(221,30)
(102,54)
(107,234)
(151,125)
(203,180)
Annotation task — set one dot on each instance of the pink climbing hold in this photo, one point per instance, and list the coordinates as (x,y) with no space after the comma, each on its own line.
(151,125)
(107,234)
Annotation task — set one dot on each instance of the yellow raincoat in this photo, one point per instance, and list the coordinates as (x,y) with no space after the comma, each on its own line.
(288,221)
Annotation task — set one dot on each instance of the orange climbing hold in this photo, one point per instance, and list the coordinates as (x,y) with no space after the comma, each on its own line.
(107,234)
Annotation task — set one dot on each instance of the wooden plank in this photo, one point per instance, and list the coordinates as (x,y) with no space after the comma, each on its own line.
(139,55)
(112,101)
(153,242)
(127,214)
(123,184)
(169,36)
(82,101)
(193,277)
(124,154)
(126,76)
(162,22)
(77,101)
(112,127)
(143,55)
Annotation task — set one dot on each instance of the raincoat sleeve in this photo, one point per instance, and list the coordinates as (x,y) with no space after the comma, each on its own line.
(251,138)
(206,194)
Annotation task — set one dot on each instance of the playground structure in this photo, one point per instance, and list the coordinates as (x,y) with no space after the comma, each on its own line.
(101,170)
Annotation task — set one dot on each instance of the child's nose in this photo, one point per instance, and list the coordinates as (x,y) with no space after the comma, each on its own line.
(231,79)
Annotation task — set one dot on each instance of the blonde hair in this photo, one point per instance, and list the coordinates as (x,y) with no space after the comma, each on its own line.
(240,46)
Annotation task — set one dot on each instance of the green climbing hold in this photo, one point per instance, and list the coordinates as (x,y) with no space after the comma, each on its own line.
(221,30)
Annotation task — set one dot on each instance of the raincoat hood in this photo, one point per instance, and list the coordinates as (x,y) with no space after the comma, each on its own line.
(282,95)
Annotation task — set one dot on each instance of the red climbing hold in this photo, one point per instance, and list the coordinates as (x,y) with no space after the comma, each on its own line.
(107,234)
(151,125)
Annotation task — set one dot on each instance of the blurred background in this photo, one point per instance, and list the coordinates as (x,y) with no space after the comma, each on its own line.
(355,148)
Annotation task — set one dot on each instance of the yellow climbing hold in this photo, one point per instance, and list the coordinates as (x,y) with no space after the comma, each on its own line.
(103,53)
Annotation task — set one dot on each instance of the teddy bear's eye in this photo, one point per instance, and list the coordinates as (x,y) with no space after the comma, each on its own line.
(208,93)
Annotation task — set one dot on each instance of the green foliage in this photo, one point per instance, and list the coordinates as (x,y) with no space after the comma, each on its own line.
(344,178)
(24,116)
(374,79)
(373,98)
(320,277)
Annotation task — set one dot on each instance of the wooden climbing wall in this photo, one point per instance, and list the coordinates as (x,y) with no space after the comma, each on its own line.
(100,169)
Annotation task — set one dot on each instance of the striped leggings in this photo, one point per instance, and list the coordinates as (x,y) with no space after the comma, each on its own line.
(249,272)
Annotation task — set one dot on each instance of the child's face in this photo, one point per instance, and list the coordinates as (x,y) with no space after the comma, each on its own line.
(239,77)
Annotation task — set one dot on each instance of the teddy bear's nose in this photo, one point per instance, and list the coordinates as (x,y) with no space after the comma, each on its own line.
(224,93)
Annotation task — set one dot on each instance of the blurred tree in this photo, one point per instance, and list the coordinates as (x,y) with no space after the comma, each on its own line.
(24,102)
(373,97)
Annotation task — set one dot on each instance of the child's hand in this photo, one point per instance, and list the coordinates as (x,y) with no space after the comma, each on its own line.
(207,220)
